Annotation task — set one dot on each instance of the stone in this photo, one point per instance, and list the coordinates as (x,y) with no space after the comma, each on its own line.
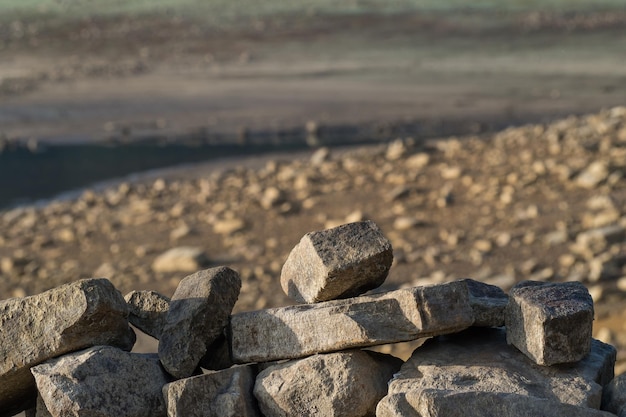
(229,226)
(479,363)
(550,322)
(488,303)
(180,259)
(592,175)
(217,355)
(341,262)
(597,240)
(395,316)
(436,403)
(226,393)
(346,384)
(198,313)
(614,396)
(148,311)
(70,317)
(102,381)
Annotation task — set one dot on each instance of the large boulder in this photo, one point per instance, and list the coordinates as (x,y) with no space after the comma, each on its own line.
(67,318)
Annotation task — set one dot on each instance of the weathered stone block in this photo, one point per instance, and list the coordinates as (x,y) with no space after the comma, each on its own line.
(70,317)
(102,381)
(480,362)
(198,313)
(346,384)
(341,262)
(614,396)
(395,316)
(550,322)
(226,393)
(148,311)
(437,403)
(488,303)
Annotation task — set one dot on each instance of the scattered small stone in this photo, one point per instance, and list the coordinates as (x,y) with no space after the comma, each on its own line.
(593,175)
(180,259)
(229,226)
(551,323)
(337,263)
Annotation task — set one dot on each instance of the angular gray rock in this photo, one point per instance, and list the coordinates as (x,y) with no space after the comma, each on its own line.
(395,316)
(614,396)
(198,313)
(102,381)
(550,322)
(479,361)
(148,311)
(436,403)
(70,317)
(346,384)
(341,262)
(488,303)
(226,393)
(182,258)
(217,355)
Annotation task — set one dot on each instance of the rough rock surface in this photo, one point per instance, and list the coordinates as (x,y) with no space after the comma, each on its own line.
(550,322)
(488,303)
(395,316)
(180,259)
(198,313)
(341,262)
(435,403)
(614,396)
(346,384)
(148,311)
(102,381)
(70,317)
(480,361)
(226,393)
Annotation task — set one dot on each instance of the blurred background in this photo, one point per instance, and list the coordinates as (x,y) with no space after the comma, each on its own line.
(484,137)
(207,73)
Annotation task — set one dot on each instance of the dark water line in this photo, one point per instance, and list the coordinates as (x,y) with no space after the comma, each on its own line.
(28,175)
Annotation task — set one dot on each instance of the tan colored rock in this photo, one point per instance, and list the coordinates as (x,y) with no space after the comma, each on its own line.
(551,323)
(70,317)
(180,259)
(346,384)
(197,315)
(102,381)
(395,316)
(226,393)
(341,262)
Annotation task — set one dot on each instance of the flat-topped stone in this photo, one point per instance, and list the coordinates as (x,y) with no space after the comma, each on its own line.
(70,317)
(480,363)
(395,316)
(550,322)
(341,262)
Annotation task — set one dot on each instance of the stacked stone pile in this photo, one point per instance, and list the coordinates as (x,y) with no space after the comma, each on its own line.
(65,352)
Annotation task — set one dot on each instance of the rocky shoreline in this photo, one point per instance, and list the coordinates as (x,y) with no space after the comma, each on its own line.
(540,202)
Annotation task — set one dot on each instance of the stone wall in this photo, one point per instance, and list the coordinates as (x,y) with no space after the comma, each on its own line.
(66,352)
